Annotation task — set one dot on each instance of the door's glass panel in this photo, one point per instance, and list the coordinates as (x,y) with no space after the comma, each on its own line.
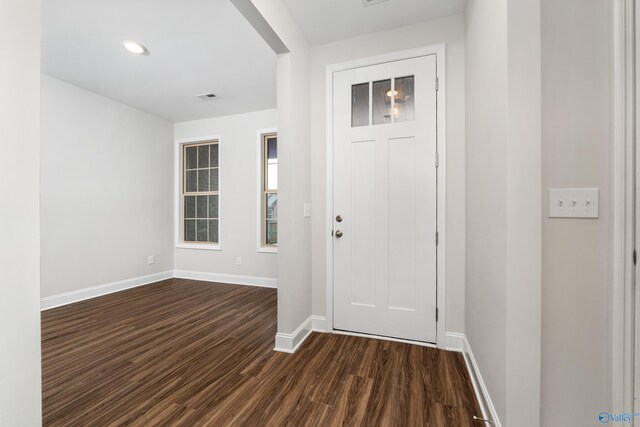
(189,206)
(213,156)
(404,110)
(202,230)
(203,156)
(360,105)
(191,183)
(202,207)
(214,180)
(213,206)
(191,157)
(382,102)
(203,180)
(190,230)
(213,231)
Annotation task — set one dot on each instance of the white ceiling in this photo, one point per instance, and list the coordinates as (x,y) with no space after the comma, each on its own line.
(196,46)
(324,21)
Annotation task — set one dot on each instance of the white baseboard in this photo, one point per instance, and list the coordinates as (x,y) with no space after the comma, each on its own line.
(482,394)
(319,323)
(454,341)
(109,288)
(231,279)
(289,343)
(96,291)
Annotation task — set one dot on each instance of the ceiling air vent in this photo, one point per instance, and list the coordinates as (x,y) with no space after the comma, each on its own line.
(206,96)
(371,2)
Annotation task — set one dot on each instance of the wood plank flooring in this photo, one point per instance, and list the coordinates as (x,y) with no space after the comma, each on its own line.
(189,353)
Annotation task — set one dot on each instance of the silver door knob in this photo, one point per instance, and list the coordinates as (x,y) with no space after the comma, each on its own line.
(338,233)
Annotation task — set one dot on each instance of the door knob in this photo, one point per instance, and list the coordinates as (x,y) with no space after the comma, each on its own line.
(338,233)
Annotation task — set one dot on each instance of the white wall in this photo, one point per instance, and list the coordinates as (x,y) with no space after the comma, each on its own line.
(451,32)
(576,327)
(107,179)
(294,180)
(503,312)
(524,201)
(20,396)
(240,178)
(486,310)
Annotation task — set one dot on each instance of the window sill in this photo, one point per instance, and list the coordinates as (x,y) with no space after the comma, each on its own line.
(199,247)
(267,250)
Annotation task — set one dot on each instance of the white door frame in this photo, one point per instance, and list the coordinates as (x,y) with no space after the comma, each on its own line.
(624,124)
(439,51)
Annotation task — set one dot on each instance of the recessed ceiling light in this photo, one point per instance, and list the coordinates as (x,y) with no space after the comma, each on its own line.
(135,47)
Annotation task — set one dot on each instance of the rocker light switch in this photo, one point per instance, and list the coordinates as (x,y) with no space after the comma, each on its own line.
(573,203)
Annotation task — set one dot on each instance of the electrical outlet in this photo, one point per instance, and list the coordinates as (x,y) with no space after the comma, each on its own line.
(239,260)
(151,260)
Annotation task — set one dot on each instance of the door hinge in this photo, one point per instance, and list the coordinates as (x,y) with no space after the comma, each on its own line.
(437,238)
(437,313)
(437,160)
(635,257)
(437,84)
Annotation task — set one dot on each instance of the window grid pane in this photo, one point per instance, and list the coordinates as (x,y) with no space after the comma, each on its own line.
(382,98)
(200,197)
(404,109)
(360,105)
(269,190)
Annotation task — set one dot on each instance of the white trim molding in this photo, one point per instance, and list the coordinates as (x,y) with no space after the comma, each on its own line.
(96,291)
(259,167)
(231,279)
(454,341)
(122,285)
(289,343)
(438,50)
(177,199)
(319,323)
(482,394)
(623,205)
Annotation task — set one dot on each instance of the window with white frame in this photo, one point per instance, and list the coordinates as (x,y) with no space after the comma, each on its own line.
(269,210)
(200,194)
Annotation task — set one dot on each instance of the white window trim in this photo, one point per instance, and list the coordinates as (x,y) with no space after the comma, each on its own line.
(177,199)
(259,163)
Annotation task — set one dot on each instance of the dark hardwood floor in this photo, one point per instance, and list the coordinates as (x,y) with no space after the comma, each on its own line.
(188,353)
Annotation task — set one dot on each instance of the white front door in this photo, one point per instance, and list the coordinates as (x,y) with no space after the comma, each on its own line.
(385,189)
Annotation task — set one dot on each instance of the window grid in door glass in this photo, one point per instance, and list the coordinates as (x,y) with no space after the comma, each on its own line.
(382,102)
(200,197)
(404,109)
(360,105)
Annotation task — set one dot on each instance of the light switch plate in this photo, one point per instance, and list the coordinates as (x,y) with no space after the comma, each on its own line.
(573,202)
(306,210)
